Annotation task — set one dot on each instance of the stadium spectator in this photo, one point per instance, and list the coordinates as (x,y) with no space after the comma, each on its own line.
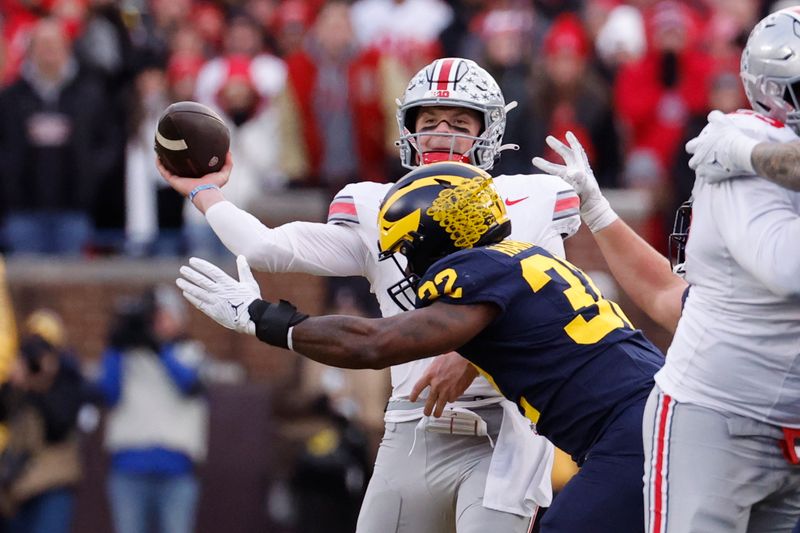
(291,22)
(187,41)
(339,127)
(331,471)
(245,97)
(655,96)
(506,37)
(153,213)
(157,424)
(243,58)
(569,95)
(406,30)
(104,45)
(620,40)
(727,28)
(151,27)
(57,144)
(40,465)
(208,21)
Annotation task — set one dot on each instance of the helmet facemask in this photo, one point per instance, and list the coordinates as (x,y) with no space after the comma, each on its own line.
(775,98)
(484,147)
(402,293)
(679,237)
(770,67)
(454,82)
(434,211)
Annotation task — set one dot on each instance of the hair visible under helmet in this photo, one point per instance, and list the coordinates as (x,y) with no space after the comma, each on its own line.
(770,67)
(454,82)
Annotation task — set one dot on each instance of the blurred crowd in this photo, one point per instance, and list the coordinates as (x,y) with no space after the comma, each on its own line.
(147,402)
(308,90)
(150,383)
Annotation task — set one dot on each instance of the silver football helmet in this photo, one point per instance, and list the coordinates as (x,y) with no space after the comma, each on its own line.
(455,82)
(770,67)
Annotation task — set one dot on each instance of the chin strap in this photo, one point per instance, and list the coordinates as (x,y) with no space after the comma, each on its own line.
(274,320)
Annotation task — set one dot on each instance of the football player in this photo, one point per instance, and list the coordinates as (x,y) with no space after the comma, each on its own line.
(722,425)
(536,326)
(452,479)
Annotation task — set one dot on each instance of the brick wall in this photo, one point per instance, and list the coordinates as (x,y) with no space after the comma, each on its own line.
(85,292)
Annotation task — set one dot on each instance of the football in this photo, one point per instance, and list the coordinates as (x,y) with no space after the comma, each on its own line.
(191,139)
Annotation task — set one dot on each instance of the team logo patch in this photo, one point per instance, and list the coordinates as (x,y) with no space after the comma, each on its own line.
(511,202)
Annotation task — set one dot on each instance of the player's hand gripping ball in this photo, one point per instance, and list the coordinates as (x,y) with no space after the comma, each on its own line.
(191,139)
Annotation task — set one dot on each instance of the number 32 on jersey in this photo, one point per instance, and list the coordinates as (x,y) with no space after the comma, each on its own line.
(536,271)
(582,295)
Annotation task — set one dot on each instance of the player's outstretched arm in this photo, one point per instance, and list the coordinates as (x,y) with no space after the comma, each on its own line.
(643,273)
(723,151)
(352,342)
(311,248)
(342,341)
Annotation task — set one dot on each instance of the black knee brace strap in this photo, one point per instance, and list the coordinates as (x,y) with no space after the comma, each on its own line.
(274,320)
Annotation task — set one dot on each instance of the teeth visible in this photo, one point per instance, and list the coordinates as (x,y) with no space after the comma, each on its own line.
(175,145)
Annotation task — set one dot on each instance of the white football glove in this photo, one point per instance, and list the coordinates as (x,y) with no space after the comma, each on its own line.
(721,151)
(595,209)
(220,296)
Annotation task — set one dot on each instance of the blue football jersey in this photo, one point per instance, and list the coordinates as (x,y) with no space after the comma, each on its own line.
(569,358)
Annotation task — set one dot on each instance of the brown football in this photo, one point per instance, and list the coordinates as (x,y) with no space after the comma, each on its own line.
(191,139)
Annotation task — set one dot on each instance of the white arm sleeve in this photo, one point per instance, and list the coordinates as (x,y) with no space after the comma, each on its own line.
(307,247)
(761,228)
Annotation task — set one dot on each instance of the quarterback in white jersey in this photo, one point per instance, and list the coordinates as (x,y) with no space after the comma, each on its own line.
(479,468)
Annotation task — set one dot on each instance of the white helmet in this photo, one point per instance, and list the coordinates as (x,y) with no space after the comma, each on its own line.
(770,67)
(454,82)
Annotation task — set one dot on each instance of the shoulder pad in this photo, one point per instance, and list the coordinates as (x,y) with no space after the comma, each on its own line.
(355,199)
(761,127)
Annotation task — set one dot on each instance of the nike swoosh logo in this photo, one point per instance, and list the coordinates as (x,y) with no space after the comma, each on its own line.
(512,202)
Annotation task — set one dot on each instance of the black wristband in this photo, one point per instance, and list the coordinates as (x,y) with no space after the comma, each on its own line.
(274,320)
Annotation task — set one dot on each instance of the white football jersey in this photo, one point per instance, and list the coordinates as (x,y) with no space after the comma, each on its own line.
(737,346)
(543,210)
